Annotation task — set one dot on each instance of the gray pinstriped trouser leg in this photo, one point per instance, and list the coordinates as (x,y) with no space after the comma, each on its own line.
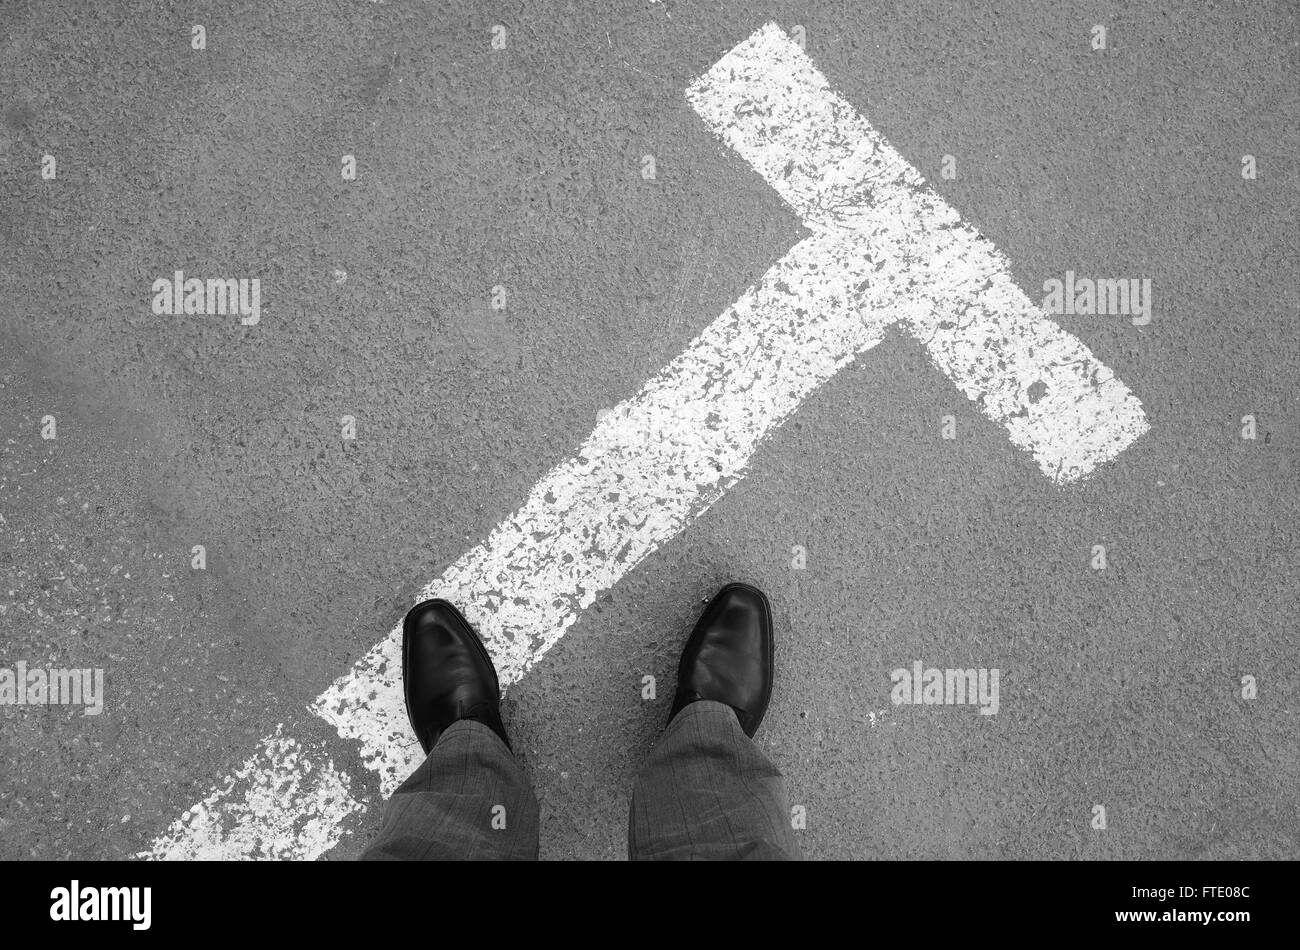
(468,801)
(706,792)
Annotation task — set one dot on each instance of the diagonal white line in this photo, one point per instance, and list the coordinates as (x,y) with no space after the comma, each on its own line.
(287,801)
(883,250)
(653,465)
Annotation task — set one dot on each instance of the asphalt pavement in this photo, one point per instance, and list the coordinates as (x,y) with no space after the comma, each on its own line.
(502,270)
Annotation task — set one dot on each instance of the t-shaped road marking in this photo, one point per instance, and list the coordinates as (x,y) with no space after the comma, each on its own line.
(884,249)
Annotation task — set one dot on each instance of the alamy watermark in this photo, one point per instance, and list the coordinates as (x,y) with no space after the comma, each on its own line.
(20,686)
(921,686)
(1085,296)
(76,902)
(215,296)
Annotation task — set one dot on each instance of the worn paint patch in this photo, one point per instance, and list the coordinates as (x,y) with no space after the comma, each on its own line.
(286,802)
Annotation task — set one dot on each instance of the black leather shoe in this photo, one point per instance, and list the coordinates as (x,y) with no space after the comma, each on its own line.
(728,658)
(446,673)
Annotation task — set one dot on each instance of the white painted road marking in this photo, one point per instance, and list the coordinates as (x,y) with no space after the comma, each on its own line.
(883,249)
(286,801)
(769,102)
